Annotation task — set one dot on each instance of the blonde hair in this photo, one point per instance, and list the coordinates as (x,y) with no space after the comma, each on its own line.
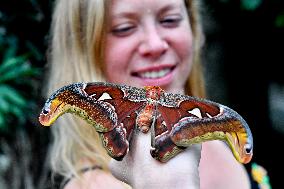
(76,54)
(195,84)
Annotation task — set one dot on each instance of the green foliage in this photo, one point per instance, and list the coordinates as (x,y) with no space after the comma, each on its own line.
(23,30)
(279,21)
(15,74)
(247,5)
(250,5)
(274,8)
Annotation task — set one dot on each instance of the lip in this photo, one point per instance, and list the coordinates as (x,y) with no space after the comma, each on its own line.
(161,81)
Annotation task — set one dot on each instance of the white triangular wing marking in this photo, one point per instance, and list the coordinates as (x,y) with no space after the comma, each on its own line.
(196,112)
(105,96)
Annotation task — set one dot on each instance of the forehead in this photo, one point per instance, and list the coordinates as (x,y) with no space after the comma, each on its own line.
(119,6)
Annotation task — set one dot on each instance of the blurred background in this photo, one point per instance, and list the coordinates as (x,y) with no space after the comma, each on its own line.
(243,57)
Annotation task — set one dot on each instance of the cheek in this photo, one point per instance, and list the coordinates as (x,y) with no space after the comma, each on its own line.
(111,65)
(115,63)
(184,50)
(184,46)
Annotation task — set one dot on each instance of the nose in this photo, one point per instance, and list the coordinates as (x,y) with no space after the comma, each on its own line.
(153,43)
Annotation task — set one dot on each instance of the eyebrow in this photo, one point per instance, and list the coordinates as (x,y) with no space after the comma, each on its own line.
(125,15)
(124,12)
(169,7)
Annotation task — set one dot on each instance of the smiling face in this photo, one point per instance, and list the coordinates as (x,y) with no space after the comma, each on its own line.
(149,42)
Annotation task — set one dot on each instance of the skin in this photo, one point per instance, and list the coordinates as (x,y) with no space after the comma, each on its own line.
(154,36)
(92,179)
(141,171)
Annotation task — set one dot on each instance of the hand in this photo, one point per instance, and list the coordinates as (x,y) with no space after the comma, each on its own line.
(140,170)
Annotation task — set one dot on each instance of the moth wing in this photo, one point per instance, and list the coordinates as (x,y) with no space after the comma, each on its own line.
(123,99)
(126,102)
(193,120)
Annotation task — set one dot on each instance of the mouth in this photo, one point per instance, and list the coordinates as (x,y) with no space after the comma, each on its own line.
(154,73)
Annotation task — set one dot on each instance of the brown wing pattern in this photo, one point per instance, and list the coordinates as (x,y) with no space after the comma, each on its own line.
(105,106)
(179,120)
(191,120)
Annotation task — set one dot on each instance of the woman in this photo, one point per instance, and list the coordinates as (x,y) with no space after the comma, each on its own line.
(146,42)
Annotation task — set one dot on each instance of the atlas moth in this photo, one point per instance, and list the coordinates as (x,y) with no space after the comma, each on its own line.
(175,121)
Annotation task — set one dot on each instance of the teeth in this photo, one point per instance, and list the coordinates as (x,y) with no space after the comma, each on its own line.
(155,74)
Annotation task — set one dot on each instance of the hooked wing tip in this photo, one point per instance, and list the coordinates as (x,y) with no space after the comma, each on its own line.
(47,116)
(246,159)
(247,153)
(241,147)
(51,111)
(44,120)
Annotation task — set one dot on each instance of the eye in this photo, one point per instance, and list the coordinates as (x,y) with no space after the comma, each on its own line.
(171,21)
(123,30)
